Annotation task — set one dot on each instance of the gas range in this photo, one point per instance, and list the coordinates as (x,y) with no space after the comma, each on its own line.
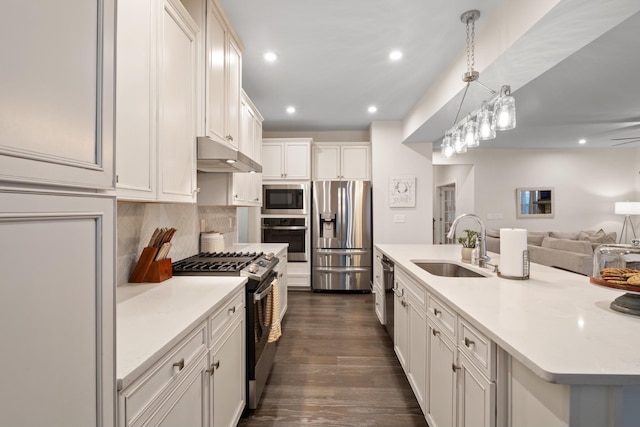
(254,265)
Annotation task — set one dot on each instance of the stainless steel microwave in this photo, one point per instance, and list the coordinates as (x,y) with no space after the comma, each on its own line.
(285,199)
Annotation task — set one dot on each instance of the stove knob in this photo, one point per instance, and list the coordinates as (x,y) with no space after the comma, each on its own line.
(253,268)
(269,256)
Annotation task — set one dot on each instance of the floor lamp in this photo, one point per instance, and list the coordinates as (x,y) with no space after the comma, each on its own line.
(627,209)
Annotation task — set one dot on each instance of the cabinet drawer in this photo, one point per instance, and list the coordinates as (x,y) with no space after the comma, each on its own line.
(418,292)
(167,371)
(225,315)
(442,315)
(478,348)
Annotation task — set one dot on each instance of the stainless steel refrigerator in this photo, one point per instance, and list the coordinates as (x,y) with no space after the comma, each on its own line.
(341,238)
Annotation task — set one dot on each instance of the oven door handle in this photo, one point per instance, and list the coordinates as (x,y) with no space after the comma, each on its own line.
(284,227)
(262,294)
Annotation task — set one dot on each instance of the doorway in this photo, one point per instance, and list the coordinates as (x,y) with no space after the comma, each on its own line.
(446,212)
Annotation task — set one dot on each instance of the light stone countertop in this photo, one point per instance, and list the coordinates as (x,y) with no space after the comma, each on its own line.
(556,323)
(152,317)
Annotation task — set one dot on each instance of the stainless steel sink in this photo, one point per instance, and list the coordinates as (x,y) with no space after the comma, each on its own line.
(446,269)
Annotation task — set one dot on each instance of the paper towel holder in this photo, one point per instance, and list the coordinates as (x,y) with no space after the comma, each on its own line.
(525,268)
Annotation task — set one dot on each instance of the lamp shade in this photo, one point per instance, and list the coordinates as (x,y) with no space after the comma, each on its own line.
(627,208)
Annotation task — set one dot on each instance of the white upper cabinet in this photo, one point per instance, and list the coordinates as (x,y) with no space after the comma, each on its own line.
(286,159)
(341,161)
(223,78)
(176,129)
(155,128)
(57,86)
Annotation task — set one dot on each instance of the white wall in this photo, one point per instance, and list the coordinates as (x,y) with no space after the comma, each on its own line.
(587,182)
(392,158)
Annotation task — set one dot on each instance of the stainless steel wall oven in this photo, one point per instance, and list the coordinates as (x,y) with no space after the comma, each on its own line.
(293,231)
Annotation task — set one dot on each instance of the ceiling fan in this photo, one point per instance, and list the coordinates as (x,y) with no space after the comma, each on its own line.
(631,139)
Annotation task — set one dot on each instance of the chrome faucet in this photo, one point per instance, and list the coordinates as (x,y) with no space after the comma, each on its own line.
(484,259)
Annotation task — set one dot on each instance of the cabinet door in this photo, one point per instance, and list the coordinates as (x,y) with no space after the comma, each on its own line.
(177,104)
(297,161)
(417,350)
(355,163)
(441,394)
(476,396)
(326,162)
(136,154)
(228,368)
(283,289)
(57,319)
(186,404)
(57,86)
(215,74)
(233,80)
(401,325)
(272,161)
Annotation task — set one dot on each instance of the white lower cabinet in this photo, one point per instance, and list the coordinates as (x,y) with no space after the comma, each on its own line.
(227,371)
(441,374)
(451,366)
(187,404)
(200,382)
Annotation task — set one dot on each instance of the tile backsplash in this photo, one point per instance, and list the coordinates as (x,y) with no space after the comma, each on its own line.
(137,221)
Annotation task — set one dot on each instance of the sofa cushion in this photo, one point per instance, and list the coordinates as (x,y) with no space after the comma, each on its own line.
(564,235)
(598,238)
(536,237)
(579,246)
(493,232)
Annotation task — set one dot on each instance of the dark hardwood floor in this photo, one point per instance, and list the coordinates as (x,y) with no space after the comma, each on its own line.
(335,366)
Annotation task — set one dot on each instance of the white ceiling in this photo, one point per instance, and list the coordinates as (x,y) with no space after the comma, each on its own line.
(333,63)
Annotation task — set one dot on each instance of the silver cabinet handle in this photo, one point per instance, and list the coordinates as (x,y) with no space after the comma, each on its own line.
(213,367)
(179,364)
(232,309)
(437,312)
(229,138)
(435,332)
(454,367)
(469,342)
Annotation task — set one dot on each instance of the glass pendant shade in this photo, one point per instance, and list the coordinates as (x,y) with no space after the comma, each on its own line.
(458,143)
(470,132)
(486,123)
(447,148)
(505,111)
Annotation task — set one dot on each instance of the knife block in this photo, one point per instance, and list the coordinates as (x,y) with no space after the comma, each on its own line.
(148,270)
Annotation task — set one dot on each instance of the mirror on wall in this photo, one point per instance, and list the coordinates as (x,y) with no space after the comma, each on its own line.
(534,202)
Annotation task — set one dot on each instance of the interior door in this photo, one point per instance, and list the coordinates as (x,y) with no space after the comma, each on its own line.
(446,211)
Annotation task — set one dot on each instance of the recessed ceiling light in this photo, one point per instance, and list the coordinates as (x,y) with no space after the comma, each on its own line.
(372,109)
(582,141)
(291,110)
(395,55)
(270,56)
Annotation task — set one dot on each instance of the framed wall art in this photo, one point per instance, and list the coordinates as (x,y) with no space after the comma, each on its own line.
(402,193)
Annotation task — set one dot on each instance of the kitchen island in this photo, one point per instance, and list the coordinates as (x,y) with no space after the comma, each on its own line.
(559,349)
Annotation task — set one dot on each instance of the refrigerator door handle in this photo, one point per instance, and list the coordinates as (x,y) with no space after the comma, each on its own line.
(342,251)
(342,270)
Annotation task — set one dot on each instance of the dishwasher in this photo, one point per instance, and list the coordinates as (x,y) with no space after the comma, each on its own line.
(389,300)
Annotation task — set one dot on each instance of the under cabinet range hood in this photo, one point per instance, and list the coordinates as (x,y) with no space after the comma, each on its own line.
(214,156)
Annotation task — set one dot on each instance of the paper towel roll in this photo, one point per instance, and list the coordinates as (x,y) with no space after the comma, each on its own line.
(513,242)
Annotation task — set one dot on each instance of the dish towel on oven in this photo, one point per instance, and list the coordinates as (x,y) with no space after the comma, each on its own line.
(273,308)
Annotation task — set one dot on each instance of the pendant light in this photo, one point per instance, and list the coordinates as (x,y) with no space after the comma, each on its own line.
(497,113)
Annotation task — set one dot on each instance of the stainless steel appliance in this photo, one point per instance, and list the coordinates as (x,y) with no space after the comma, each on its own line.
(389,293)
(341,242)
(258,268)
(285,199)
(293,231)
(214,156)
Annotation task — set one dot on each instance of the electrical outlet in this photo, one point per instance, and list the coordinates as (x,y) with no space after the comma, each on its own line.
(399,218)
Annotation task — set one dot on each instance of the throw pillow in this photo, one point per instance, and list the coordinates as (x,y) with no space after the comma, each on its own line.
(578,246)
(536,237)
(598,237)
(564,235)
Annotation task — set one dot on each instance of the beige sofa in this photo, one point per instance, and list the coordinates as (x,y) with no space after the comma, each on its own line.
(571,251)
